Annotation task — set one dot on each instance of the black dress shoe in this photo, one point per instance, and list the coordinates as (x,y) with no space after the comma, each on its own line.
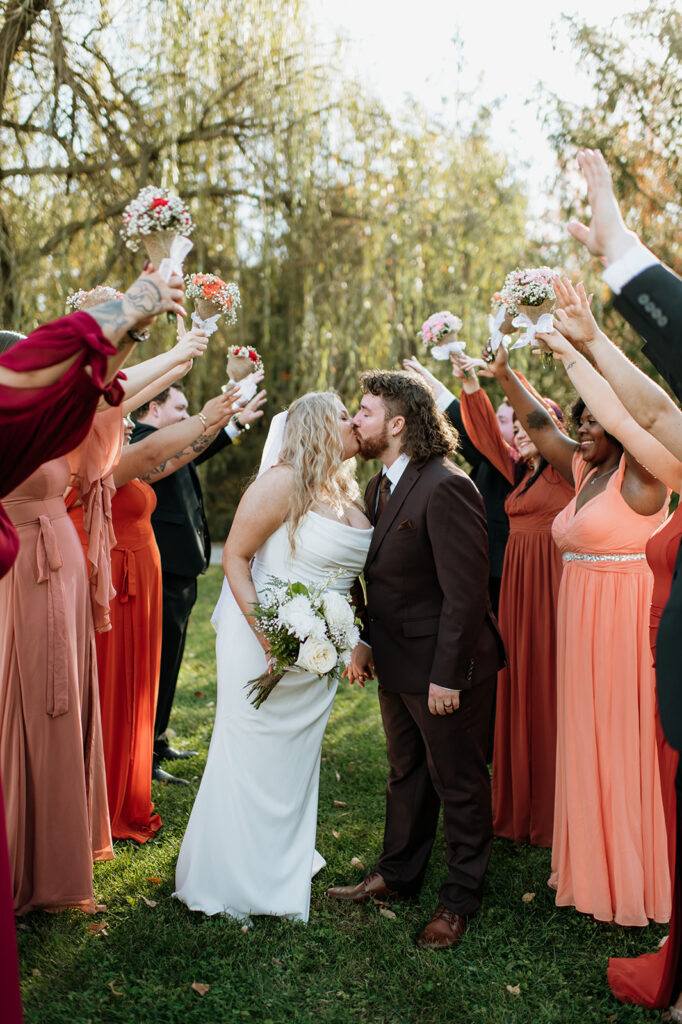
(170,754)
(159,775)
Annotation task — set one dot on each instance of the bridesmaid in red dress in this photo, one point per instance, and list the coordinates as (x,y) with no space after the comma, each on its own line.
(525,729)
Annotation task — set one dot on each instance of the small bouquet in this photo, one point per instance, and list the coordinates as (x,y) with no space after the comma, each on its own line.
(161,221)
(437,327)
(83,299)
(531,291)
(310,629)
(213,298)
(242,363)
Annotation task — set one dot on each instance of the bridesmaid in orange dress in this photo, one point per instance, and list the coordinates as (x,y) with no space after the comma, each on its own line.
(609,851)
(525,728)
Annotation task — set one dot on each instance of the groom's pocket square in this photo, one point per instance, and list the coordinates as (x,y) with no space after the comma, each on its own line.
(406,524)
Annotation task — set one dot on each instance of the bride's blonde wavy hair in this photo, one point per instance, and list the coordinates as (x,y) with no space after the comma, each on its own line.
(313,449)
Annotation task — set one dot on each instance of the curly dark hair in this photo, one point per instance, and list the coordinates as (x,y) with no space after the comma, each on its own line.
(427,431)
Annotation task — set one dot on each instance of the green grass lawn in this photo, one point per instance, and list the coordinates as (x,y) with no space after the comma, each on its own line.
(349,964)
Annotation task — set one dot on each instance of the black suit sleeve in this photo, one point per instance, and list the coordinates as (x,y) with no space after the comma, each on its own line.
(221,441)
(467,448)
(652,303)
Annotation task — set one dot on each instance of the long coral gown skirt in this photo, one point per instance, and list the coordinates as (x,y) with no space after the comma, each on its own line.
(650,979)
(51,755)
(128,659)
(524,754)
(610,847)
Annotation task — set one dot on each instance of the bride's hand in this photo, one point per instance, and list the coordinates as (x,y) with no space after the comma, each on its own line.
(360,666)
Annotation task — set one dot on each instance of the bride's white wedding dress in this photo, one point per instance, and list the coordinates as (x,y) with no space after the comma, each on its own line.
(249,847)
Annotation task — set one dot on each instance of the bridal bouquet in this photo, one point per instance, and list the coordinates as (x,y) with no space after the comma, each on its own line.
(83,299)
(312,629)
(155,211)
(437,327)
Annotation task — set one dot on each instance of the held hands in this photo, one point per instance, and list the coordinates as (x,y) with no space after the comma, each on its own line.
(361,665)
(151,295)
(606,237)
(441,700)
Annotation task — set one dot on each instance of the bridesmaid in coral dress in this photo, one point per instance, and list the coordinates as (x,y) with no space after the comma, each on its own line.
(525,730)
(610,848)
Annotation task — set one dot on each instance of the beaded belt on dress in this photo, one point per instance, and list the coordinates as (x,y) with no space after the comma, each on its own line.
(574,556)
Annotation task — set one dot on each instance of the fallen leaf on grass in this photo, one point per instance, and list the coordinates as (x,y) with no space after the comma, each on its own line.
(35,972)
(199,987)
(338,777)
(97,927)
(156,880)
(115,991)
(514,990)
(24,927)
(199,694)
(276,962)
(662,942)
(339,803)
(385,912)
(528,897)
(355,862)
(150,903)
(337,835)
(245,929)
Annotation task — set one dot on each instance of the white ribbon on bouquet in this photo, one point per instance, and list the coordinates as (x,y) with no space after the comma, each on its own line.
(181,245)
(244,390)
(210,325)
(442,352)
(544,325)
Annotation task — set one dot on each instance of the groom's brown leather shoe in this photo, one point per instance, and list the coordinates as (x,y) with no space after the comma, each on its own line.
(371,888)
(444,930)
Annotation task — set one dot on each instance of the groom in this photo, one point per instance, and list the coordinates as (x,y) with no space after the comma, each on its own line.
(436,649)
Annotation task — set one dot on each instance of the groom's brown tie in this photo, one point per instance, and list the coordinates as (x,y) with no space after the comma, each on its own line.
(384,495)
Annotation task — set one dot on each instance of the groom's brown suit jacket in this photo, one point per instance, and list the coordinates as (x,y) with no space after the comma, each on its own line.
(428,616)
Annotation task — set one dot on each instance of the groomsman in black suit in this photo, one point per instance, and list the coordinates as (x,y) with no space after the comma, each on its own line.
(648,296)
(182,535)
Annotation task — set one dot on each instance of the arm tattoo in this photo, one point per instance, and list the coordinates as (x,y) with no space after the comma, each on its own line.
(144,297)
(569,365)
(110,315)
(538,420)
(197,447)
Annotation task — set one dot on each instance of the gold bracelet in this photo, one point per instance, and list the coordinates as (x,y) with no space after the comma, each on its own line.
(202,418)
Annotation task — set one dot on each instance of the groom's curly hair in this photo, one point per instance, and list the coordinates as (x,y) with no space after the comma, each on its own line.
(427,431)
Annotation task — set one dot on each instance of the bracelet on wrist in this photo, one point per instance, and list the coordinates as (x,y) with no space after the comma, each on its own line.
(203,419)
(138,336)
(241,427)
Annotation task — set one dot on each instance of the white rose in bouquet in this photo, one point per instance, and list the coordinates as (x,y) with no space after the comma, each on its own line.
(317,655)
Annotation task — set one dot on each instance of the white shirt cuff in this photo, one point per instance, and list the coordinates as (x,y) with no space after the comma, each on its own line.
(231,431)
(444,399)
(361,641)
(629,265)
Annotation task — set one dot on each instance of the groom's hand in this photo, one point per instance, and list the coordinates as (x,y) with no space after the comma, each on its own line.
(361,665)
(442,701)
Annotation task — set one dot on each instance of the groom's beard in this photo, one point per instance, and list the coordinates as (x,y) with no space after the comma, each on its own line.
(373,447)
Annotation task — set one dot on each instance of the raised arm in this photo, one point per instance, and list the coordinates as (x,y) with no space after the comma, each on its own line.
(166,450)
(606,236)
(178,360)
(646,458)
(644,400)
(552,444)
(260,512)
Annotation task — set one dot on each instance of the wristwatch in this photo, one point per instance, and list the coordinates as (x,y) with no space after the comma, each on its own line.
(241,427)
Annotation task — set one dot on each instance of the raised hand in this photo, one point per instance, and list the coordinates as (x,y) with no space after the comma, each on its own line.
(191,345)
(218,412)
(252,410)
(151,295)
(574,316)
(606,236)
(413,364)
(496,363)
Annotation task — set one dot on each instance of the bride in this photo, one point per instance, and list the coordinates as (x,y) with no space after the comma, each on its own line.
(249,847)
